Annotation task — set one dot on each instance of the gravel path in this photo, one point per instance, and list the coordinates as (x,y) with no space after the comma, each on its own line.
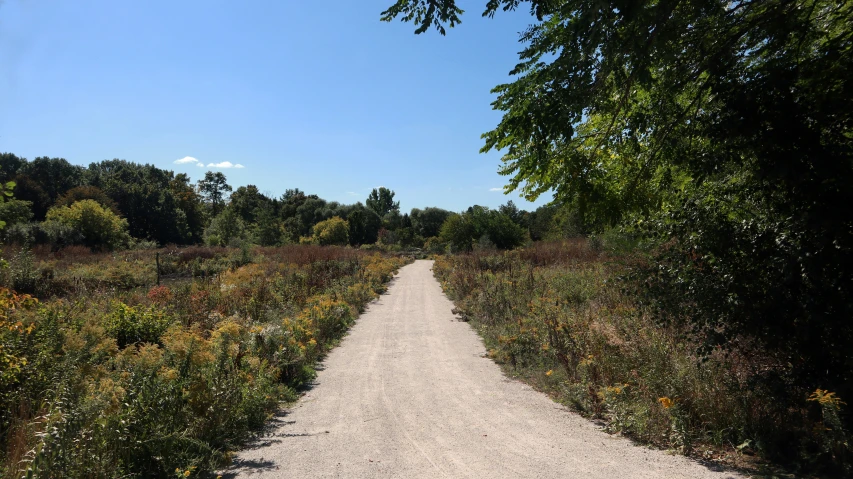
(409,394)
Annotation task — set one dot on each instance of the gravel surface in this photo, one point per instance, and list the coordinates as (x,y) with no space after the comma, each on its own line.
(409,393)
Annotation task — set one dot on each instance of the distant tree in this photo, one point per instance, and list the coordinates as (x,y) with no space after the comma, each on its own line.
(392,220)
(427,222)
(192,207)
(269,229)
(540,222)
(334,231)
(87,193)
(356,227)
(382,201)
(226,229)
(482,225)
(5,196)
(247,201)
(459,232)
(144,195)
(14,211)
(28,190)
(517,216)
(407,237)
(9,166)
(364,225)
(54,175)
(213,188)
(300,211)
(503,232)
(97,227)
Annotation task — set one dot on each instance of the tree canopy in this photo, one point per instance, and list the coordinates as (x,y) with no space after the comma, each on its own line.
(721,129)
(381,201)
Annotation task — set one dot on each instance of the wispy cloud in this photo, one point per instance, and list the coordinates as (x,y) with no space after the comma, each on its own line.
(187,160)
(496,189)
(225,164)
(352,193)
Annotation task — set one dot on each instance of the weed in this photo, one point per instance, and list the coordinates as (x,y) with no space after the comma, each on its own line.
(559,315)
(110,376)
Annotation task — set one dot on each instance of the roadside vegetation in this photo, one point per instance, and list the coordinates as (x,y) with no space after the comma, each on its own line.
(106,374)
(566,317)
(717,133)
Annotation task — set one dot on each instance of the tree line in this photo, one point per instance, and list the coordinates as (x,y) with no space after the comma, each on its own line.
(116,203)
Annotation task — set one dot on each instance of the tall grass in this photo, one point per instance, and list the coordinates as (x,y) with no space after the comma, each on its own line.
(108,375)
(559,316)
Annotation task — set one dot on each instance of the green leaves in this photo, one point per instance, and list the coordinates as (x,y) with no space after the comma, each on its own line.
(6,189)
(5,192)
(719,129)
(425,13)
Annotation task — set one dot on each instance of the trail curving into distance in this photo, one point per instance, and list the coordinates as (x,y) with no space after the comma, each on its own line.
(409,394)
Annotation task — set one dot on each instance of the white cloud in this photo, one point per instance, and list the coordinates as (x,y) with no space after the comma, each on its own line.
(496,189)
(225,164)
(187,160)
(352,193)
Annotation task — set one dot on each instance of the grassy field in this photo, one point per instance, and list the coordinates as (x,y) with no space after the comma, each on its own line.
(559,316)
(105,374)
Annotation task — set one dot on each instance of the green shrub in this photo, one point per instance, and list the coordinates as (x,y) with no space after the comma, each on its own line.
(226,229)
(14,211)
(334,231)
(130,325)
(123,382)
(97,227)
(559,316)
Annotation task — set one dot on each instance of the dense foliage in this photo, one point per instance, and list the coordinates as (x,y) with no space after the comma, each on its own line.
(88,220)
(719,131)
(108,375)
(161,207)
(555,314)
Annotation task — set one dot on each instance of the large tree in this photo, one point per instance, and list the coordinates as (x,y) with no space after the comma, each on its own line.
(427,222)
(213,188)
(144,195)
(723,128)
(381,200)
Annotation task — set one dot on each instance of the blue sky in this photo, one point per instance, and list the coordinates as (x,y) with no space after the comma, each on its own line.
(326,99)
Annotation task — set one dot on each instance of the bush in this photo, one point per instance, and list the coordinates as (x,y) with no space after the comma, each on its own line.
(334,231)
(487,228)
(122,383)
(435,245)
(14,211)
(97,227)
(227,229)
(130,325)
(25,234)
(94,193)
(558,315)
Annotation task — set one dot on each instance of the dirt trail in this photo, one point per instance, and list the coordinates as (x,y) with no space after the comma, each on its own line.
(409,394)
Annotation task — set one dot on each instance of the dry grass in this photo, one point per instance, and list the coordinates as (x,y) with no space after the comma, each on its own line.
(112,376)
(557,315)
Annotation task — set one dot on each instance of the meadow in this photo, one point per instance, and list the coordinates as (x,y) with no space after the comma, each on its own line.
(107,374)
(563,317)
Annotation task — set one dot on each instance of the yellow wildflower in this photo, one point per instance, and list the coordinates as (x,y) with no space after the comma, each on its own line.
(666,402)
(826,398)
